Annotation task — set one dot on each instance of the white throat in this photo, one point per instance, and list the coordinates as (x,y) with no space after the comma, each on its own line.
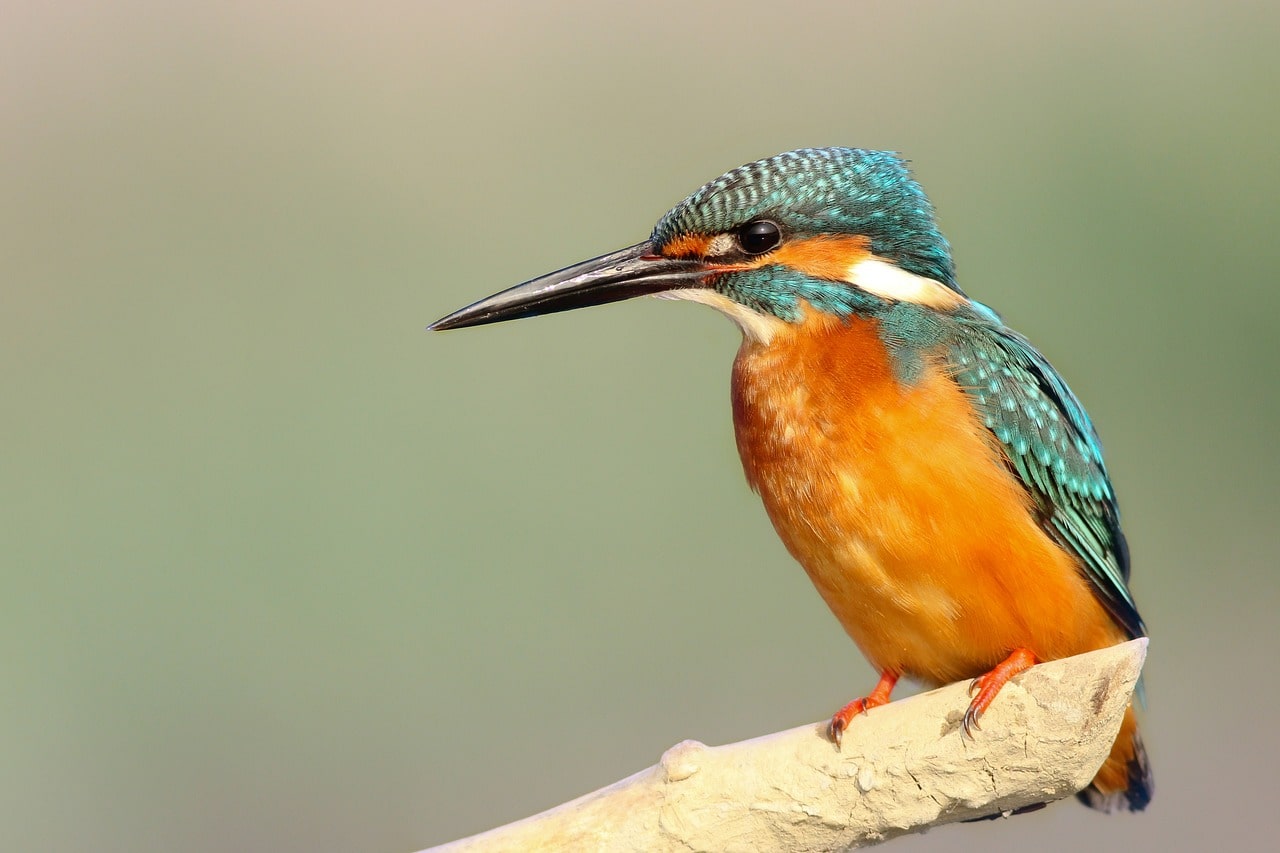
(756,327)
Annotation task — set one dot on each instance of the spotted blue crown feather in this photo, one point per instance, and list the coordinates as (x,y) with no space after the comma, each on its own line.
(824,190)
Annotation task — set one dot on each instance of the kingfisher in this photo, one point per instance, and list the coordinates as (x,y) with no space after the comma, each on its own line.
(928,468)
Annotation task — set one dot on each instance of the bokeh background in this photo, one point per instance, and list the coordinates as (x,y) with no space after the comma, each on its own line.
(282,571)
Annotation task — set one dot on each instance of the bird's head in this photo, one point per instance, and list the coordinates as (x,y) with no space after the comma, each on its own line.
(840,230)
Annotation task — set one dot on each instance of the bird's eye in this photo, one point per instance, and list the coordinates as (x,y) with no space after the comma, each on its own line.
(759,237)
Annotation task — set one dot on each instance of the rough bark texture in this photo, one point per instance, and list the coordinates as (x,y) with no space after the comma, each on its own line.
(904,767)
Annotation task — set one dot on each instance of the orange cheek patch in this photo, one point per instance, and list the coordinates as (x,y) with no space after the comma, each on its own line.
(686,246)
(828,257)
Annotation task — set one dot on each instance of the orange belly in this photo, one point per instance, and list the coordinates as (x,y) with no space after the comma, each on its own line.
(896,501)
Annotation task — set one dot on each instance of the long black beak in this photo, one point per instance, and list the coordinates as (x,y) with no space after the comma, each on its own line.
(634,271)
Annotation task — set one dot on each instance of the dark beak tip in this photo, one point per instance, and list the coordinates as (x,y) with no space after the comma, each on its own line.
(461,320)
(457,320)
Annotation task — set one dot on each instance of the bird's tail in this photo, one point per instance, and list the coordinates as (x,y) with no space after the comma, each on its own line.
(1124,781)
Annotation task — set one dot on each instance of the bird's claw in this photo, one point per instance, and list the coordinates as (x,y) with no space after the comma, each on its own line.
(835,730)
(986,687)
(880,696)
(840,719)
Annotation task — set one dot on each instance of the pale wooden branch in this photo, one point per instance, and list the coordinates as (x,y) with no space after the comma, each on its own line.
(904,767)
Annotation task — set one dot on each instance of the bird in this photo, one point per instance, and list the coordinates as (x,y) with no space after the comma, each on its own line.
(934,475)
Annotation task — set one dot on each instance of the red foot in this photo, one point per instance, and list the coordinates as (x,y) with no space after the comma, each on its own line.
(987,686)
(879,696)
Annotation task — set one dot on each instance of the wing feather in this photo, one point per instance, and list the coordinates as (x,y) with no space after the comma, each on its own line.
(1051,445)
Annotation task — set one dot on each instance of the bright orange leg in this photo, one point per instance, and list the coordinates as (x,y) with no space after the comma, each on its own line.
(879,696)
(987,686)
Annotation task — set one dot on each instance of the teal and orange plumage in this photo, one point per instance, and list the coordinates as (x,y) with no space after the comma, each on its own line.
(937,479)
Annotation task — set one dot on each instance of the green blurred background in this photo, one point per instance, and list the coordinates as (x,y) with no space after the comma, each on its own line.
(281,571)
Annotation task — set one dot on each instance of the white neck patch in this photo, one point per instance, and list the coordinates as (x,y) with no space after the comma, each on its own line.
(755,326)
(890,281)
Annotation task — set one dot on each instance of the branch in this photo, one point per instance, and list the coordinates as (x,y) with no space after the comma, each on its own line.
(905,767)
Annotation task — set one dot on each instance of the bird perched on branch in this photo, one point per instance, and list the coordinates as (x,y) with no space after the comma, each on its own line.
(930,470)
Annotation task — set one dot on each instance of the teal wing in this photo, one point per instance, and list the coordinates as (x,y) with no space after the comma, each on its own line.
(1051,446)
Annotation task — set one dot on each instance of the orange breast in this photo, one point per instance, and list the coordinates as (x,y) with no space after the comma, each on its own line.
(896,501)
